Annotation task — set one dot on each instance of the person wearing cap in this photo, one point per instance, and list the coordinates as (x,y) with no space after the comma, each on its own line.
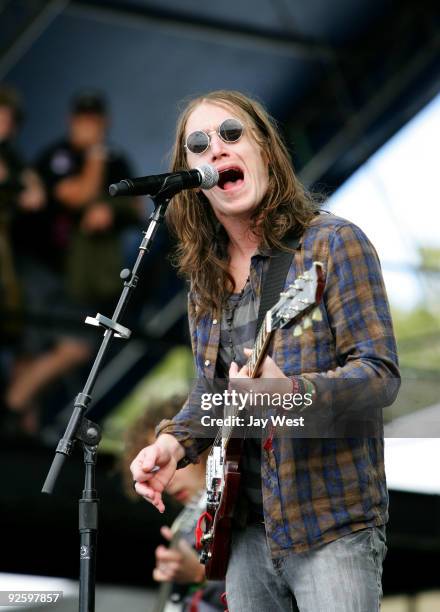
(86,224)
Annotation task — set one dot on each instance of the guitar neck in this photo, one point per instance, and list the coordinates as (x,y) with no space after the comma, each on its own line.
(163,597)
(184,523)
(260,349)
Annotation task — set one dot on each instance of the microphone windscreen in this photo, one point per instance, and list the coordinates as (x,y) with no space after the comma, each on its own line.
(121,188)
(210,176)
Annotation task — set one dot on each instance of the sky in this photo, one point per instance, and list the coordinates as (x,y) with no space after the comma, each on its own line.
(394,198)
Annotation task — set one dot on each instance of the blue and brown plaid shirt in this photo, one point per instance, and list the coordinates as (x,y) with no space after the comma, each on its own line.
(317,490)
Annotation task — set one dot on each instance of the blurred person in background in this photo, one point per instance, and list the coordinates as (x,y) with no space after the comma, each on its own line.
(70,255)
(86,223)
(21,194)
(20,190)
(178,568)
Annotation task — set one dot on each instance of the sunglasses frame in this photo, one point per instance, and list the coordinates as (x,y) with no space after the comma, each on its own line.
(208,136)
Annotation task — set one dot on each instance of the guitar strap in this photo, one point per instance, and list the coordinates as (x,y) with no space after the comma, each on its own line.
(280,262)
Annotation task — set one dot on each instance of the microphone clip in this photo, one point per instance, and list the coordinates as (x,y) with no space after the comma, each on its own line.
(101,321)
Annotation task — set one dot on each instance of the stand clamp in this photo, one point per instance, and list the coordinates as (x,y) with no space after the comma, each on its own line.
(102,321)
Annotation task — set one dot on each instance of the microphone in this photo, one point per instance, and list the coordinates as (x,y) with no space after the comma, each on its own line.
(205,177)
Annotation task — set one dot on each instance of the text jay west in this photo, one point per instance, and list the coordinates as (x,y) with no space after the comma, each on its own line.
(278,420)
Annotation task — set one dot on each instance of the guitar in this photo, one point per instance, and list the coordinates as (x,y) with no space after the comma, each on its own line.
(182,526)
(223,466)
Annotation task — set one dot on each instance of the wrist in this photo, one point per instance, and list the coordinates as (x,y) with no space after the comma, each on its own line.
(284,385)
(303,387)
(171,443)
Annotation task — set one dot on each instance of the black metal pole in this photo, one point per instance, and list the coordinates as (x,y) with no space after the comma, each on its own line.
(88,530)
(80,428)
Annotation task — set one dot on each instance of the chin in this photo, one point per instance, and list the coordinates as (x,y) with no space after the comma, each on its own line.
(236,206)
(244,209)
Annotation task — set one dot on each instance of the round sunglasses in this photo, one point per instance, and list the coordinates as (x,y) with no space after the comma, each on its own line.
(230,130)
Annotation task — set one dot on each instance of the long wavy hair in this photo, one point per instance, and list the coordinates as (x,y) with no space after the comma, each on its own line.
(201,254)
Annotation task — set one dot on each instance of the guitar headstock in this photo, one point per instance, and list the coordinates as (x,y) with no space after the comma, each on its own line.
(295,303)
(299,299)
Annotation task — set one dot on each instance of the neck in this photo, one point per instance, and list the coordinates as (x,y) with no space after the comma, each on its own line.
(242,241)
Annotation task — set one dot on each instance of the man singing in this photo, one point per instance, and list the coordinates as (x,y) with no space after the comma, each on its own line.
(311,534)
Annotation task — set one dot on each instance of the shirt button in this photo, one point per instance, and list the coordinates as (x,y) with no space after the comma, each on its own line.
(214,321)
(207,362)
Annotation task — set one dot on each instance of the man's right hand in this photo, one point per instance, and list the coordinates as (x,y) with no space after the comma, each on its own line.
(154,467)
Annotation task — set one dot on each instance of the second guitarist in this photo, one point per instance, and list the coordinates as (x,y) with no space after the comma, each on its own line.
(183,585)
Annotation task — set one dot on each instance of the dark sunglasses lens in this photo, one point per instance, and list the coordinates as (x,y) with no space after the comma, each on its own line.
(197,142)
(231,130)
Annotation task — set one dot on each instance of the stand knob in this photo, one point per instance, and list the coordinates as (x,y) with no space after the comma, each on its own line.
(125,274)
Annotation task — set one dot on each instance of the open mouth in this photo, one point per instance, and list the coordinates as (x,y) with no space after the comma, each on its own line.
(230,177)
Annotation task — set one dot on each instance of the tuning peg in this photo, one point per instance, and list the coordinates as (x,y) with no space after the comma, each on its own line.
(297,331)
(317,315)
(307,323)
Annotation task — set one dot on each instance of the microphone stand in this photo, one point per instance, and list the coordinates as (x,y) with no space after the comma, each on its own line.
(81,429)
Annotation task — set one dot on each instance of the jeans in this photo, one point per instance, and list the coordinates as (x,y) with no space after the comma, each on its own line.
(342,576)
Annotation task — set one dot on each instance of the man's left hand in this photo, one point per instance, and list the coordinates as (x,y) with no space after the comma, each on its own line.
(269,370)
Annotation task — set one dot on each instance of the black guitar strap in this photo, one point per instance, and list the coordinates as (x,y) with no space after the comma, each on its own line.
(279,265)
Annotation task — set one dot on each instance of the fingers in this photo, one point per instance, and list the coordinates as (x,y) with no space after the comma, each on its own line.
(156,501)
(136,465)
(144,465)
(233,370)
(149,461)
(152,470)
(144,489)
(172,565)
(150,495)
(165,572)
(159,575)
(146,460)
(167,555)
(168,562)
(166,532)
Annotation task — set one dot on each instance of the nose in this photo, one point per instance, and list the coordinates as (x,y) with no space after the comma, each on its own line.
(217,147)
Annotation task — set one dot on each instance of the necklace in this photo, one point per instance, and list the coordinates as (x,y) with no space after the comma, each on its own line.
(230,312)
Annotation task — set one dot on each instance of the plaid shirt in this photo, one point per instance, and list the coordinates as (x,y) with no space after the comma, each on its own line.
(317,490)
